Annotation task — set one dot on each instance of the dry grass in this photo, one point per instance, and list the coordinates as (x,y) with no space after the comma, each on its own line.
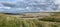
(10,21)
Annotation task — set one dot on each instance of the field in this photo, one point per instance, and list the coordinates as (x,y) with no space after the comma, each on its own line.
(30,20)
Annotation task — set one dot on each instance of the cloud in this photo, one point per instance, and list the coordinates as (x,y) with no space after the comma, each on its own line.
(8,4)
(57,1)
(27,6)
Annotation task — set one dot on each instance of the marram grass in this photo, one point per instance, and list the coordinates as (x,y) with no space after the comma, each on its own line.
(27,23)
(9,21)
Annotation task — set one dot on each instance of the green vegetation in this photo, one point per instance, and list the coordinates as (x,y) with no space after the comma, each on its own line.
(10,21)
(50,19)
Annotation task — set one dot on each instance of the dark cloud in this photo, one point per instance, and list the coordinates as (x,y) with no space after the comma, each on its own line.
(29,6)
(8,4)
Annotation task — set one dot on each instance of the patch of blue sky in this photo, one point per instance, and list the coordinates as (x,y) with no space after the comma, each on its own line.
(25,6)
(7,0)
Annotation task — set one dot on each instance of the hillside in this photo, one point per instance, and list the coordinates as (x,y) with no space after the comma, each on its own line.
(47,20)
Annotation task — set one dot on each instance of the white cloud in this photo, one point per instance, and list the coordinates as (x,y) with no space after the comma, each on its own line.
(57,1)
(5,7)
(24,6)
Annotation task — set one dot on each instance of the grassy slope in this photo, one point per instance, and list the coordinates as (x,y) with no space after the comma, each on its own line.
(10,21)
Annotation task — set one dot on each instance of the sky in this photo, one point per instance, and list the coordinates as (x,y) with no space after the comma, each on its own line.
(7,7)
(7,0)
(56,1)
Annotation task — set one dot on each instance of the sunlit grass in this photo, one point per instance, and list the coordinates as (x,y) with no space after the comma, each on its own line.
(10,21)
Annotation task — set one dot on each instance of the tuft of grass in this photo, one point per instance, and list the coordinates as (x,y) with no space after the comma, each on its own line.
(10,21)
